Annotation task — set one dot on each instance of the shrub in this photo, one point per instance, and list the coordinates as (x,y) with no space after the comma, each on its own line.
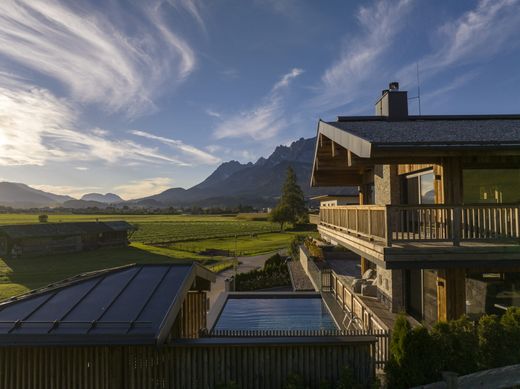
(275,273)
(510,322)
(457,345)
(294,248)
(413,357)
(492,342)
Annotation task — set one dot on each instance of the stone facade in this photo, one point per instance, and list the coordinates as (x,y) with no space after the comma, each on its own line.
(390,285)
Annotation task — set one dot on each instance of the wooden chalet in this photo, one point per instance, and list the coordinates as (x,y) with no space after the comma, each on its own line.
(50,238)
(439,199)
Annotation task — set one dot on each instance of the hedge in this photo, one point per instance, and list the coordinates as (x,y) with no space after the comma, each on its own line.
(419,356)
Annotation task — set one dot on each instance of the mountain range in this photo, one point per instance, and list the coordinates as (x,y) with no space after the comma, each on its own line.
(232,183)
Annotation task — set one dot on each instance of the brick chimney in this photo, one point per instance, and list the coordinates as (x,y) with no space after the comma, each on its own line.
(393,103)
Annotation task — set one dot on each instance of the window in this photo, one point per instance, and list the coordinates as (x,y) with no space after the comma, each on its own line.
(491,186)
(420,188)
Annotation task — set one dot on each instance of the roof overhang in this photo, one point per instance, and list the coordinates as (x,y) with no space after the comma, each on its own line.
(341,156)
(330,166)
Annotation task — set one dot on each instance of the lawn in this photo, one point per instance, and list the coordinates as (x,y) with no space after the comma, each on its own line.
(23,274)
(245,245)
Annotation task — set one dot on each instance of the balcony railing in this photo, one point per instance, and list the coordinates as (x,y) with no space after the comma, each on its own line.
(426,223)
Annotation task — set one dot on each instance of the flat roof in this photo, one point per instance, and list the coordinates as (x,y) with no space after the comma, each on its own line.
(135,304)
(333,197)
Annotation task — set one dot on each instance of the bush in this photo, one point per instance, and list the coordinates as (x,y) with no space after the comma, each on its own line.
(294,248)
(412,356)
(418,357)
(457,344)
(275,273)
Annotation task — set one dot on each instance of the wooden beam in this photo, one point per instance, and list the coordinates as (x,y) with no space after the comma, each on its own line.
(451,294)
(333,147)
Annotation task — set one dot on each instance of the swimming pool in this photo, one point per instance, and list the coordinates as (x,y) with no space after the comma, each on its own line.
(275,313)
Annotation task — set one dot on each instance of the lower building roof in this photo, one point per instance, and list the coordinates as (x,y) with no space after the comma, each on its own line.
(136,304)
(42,230)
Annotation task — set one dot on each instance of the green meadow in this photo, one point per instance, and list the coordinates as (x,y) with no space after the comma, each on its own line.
(158,239)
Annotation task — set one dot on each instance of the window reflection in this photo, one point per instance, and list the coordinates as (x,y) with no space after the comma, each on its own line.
(491,186)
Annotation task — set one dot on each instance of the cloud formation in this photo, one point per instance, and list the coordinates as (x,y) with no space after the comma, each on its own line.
(97,60)
(141,188)
(360,56)
(476,36)
(197,154)
(264,120)
(36,127)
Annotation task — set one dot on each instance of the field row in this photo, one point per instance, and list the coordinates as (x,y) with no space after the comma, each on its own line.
(179,231)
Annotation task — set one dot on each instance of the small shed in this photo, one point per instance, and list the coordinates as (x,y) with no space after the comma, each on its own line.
(52,238)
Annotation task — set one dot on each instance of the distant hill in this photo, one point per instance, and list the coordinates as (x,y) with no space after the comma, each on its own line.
(108,198)
(258,184)
(19,195)
(231,184)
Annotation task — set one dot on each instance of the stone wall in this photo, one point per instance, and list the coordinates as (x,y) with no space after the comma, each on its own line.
(390,285)
(386,184)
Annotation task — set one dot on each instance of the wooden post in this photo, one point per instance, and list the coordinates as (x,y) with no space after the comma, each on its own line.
(364,265)
(456,225)
(388,227)
(451,294)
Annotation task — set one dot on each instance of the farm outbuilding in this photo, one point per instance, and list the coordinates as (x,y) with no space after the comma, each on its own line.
(145,326)
(52,238)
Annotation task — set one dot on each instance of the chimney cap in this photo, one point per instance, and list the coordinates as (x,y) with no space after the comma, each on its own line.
(394,85)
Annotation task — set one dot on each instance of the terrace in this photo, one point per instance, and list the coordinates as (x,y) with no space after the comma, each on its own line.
(390,234)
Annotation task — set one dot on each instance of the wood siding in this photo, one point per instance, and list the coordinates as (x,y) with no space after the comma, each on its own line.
(249,365)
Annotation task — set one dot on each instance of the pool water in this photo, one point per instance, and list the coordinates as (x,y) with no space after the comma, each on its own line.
(275,314)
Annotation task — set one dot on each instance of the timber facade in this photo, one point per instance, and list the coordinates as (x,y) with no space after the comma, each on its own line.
(438,219)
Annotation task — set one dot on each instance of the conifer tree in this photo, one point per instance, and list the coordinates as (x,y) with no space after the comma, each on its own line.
(291,206)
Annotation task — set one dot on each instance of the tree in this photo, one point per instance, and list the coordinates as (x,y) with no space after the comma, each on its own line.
(291,207)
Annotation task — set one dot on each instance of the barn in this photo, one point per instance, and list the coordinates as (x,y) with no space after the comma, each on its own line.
(53,238)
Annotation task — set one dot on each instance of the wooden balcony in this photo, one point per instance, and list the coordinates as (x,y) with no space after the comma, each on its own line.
(435,231)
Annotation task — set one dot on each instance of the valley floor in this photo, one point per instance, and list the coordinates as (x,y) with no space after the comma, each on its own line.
(23,274)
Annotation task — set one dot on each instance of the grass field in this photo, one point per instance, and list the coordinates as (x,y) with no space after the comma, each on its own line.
(153,229)
(23,274)
(160,238)
(245,245)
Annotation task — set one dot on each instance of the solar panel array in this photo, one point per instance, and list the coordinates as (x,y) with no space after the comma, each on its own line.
(124,302)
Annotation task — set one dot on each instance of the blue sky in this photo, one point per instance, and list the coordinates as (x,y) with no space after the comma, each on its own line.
(135,97)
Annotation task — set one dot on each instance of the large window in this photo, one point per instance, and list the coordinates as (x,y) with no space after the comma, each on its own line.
(420,189)
(491,292)
(491,186)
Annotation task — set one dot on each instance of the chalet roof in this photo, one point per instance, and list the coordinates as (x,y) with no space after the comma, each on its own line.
(347,146)
(39,230)
(136,304)
(426,131)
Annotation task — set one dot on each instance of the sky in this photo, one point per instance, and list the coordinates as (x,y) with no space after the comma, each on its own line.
(135,97)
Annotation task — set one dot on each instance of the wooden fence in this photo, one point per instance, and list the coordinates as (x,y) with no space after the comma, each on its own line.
(201,363)
(426,223)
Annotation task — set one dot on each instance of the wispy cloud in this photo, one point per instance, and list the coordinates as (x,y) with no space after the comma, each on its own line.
(37,127)
(96,59)
(192,151)
(141,188)
(264,120)
(215,114)
(69,190)
(361,54)
(476,36)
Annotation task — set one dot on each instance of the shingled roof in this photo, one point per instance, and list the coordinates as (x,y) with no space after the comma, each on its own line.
(362,134)
(135,304)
